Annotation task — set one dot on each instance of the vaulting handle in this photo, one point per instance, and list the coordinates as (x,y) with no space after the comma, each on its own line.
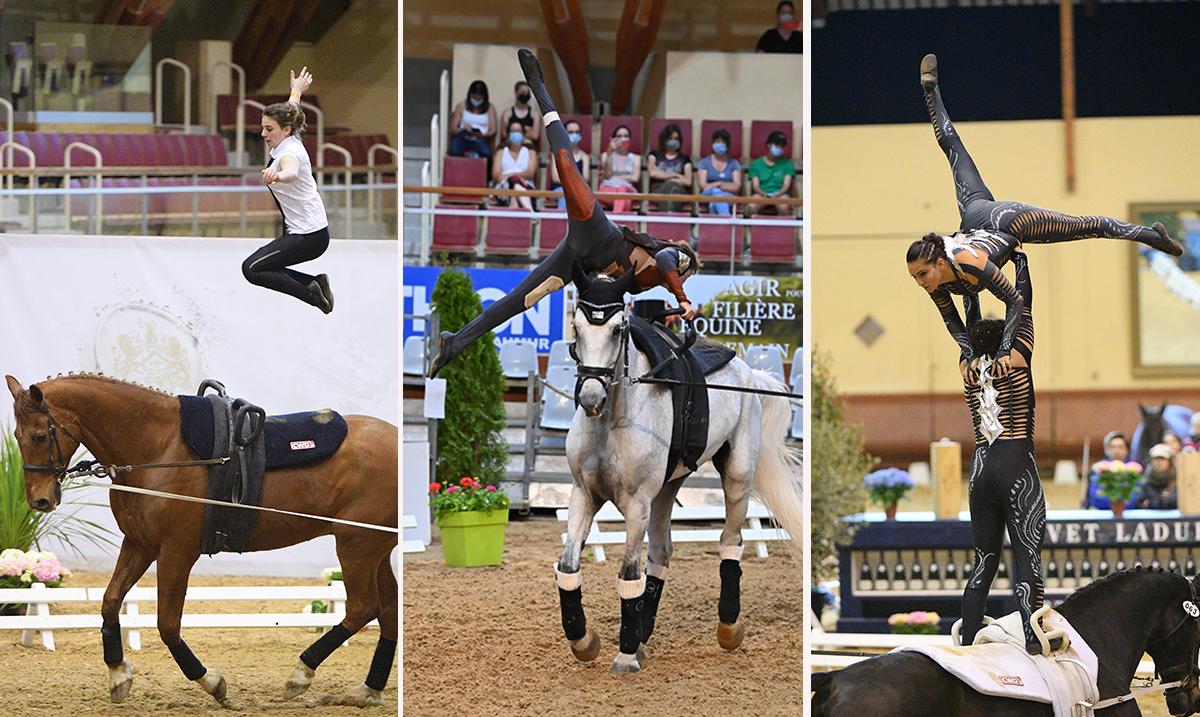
(690,334)
(211,383)
(244,409)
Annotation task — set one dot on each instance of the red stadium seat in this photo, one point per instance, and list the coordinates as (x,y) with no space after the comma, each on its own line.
(671,231)
(761,129)
(685,131)
(733,127)
(464,172)
(773,244)
(625,220)
(509,232)
(553,230)
(454,234)
(609,124)
(714,242)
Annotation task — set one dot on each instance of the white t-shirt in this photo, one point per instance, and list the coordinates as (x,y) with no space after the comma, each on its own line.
(303,211)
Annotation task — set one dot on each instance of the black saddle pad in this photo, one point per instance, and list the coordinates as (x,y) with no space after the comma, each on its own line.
(689,432)
(291,439)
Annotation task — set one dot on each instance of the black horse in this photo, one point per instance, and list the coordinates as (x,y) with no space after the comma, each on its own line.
(1120,617)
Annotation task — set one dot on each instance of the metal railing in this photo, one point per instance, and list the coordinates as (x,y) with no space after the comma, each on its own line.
(187,93)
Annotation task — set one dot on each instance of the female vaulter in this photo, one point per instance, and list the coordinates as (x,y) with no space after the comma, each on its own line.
(593,242)
(969,261)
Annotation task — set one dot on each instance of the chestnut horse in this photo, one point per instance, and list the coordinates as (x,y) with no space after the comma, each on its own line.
(126,424)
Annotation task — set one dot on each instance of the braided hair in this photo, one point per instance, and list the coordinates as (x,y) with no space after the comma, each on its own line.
(986,335)
(928,249)
(287,115)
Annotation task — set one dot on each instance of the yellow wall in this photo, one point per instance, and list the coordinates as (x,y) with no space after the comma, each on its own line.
(875,189)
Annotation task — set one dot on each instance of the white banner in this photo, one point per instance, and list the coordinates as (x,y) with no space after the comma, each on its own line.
(169,312)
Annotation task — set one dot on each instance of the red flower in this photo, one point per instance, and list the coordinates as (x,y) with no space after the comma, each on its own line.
(435,487)
(468,482)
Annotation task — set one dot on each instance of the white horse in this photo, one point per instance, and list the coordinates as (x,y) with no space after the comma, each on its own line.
(617,450)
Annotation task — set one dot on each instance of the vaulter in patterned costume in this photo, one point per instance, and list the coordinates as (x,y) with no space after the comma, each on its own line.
(1006,493)
(969,261)
(593,242)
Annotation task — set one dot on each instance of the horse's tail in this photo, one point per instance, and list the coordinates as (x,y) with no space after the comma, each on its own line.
(822,685)
(778,478)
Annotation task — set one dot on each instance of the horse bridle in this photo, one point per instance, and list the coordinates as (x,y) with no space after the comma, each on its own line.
(598,315)
(53,426)
(1189,673)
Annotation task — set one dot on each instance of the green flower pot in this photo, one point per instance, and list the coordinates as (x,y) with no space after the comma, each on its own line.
(473,538)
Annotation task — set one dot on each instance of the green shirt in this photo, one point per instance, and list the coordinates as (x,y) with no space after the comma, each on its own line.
(770,178)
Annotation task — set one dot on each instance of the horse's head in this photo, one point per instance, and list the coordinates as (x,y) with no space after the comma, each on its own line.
(1174,651)
(601,327)
(46,445)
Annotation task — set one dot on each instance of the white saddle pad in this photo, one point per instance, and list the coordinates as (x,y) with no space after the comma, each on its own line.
(997,664)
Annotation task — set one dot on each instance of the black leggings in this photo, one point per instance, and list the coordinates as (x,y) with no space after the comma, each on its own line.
(1025,222)
(1005,494)
(592,240)
(267,267)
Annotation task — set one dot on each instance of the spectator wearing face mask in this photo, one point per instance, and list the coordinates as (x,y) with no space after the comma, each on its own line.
(473,122)
(620,170)
(669,168)
(771,176)
(786,35)
(1158,491)
(526,114)
(720,174)
(582,161)
(516,165)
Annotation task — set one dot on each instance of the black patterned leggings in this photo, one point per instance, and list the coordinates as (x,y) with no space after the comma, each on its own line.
(1005,494)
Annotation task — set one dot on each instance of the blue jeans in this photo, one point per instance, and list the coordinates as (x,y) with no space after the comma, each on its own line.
(463,143)
(718,207)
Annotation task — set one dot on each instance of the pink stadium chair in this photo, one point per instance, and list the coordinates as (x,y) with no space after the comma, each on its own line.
(773,244)
(671,231)
(713,242)
(553,230)
(457,235)
(509,232)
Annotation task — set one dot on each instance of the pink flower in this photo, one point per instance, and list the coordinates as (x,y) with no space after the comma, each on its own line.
(48,571)
(452,489)
(13,566)
(491,488)
(1132,466)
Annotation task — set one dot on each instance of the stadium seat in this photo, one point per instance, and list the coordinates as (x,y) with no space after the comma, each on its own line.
(798,420)
(714,242)
(518,357)
(454,234)
(552,230)
(761,129)
(558,410)
(414,356)
(799,363)
(609,124)
(733,127)
(767,357)
(773,244)
(464,172)
(625,220)
(685,130)
(671,231)
(508,232)
(560,354)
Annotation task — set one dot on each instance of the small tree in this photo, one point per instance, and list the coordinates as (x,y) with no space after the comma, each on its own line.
(838,467)
(469,439)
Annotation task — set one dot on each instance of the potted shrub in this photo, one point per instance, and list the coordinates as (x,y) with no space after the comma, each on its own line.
(20,569)
(471,517)
(887,486)
(1117,481)
(915,623)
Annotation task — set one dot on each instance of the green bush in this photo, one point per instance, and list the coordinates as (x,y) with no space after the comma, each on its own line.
(469,441)
(838,466)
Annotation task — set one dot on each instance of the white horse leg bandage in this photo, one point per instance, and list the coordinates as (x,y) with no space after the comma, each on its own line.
(630,589)
(731,552)
(568,581)
(657,571)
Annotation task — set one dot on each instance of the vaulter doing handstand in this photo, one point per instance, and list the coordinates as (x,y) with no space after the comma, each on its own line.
(592,242)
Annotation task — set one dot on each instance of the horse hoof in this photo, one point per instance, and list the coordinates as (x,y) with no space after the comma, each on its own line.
(730,637)
(213,683)
(299,681)
(587,647)
(362,696)
(624,664)
(120,681)
(641,653)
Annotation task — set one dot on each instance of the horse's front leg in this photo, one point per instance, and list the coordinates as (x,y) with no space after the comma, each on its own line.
(585,643)
(174,566)
(132,563)
(658,557)
(631,585)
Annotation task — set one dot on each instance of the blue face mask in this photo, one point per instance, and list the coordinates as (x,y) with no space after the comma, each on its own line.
(719,148)
(672,144)
(516,138)
(776,150)
(476,102)
(575,137)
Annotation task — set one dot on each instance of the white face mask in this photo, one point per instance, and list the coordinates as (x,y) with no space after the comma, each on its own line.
(785,17)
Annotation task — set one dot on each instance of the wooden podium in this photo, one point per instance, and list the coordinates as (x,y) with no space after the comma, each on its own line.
(1187,482)
(945,459)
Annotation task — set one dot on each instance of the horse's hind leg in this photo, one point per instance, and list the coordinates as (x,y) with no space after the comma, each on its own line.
(736,465)
(585,643)
(132,563)
(173,570)
(631,584)
(370,692)
(658,556)
(358,557)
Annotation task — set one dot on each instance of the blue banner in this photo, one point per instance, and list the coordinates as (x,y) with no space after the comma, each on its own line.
(542,324)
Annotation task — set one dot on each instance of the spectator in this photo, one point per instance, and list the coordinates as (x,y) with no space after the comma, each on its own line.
(517,165)
(620,169)
(582,161)
(1193,441)
(525,113)
(771,176)
(1158,484)
(720,175)
(669,168)
(1172,441)
(1116,448)
(473,122)
(786,35)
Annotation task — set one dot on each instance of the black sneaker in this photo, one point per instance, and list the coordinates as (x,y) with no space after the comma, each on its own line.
(323,282)
(533,75)
(1168,245)
(323,302)
(929,73)
(444,355)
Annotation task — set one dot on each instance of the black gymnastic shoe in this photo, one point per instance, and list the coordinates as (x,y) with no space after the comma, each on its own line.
(929,73)
(444,355)
(533,75)
(1169,245)
(324,303)
(323,282)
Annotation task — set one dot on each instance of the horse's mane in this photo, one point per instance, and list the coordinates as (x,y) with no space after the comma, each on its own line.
(72,376)
(1113,578)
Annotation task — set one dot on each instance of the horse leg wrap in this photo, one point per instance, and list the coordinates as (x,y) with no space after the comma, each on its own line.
(114,651)
(654,588)
(381,664)
(192,669)
(729,606)
(573,620)
(631,624)
(319,650)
